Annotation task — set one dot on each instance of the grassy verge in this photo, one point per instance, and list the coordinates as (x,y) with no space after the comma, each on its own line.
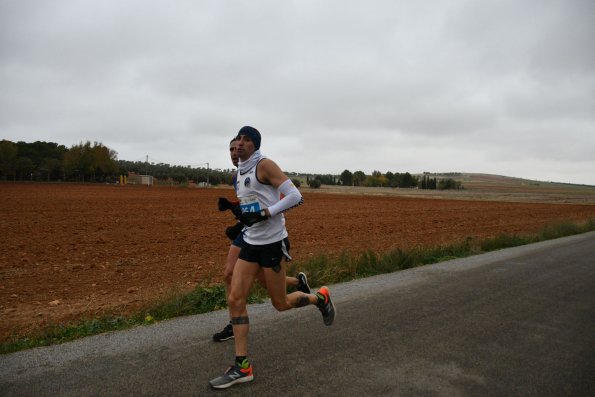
(201,300)
(321,270)
(324,270)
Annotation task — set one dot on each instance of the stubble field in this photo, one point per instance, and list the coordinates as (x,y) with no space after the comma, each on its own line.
(69,252)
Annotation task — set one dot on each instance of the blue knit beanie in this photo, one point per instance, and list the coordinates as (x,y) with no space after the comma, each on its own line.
(253,134)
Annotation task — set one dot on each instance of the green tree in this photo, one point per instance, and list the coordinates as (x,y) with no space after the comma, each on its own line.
(77,161)
(86,162)
(24,168)
(447,184)
(407,180)
(427,182)
(346,178)
(103,161)
(39,152)
(8,156)
(51,169)
(376,179)
(359,178)
(327,179)
(390,179)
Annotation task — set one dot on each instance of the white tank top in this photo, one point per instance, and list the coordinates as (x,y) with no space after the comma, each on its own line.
(254,197)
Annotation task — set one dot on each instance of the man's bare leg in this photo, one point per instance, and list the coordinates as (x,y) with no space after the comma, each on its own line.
(275,281)
(243,277)
(232,258)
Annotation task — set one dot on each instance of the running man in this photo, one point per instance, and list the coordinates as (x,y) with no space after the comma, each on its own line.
(259,184)
(235,234)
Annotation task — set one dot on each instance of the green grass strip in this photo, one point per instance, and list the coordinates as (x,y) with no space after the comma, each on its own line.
(320,269)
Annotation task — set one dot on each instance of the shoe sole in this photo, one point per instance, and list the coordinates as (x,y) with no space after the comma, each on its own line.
(309,291)
(330,300)
(332,320)
(234,382)
(223,339)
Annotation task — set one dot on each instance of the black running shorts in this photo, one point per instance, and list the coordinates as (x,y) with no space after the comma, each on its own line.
(268,255)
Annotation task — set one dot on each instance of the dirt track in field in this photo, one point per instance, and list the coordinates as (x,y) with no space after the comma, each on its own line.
(69,252)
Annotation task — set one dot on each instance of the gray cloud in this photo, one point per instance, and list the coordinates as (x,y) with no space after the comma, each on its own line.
(504,87)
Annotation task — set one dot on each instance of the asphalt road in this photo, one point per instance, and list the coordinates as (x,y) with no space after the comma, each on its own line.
(516,322)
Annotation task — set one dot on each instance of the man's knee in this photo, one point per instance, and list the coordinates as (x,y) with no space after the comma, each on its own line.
(236,302)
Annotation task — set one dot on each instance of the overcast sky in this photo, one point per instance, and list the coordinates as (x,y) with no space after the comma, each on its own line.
(490,86)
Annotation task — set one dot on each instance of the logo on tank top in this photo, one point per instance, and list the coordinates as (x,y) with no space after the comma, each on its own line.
(247,182)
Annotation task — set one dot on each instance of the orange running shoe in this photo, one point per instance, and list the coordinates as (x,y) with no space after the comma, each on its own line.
(325,305)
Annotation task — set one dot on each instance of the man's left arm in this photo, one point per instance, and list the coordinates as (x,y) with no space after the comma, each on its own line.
(291,196)
(272,174)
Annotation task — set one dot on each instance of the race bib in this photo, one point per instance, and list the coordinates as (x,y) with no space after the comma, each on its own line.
(250,204)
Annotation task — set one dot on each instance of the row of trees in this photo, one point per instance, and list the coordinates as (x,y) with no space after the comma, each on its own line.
(378,179)
(21,160)
(48,161)
(86,162)
(440,184)
(166,173)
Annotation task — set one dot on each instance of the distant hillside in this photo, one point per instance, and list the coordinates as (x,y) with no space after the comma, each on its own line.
(468,180)
(476,186)
(478,179)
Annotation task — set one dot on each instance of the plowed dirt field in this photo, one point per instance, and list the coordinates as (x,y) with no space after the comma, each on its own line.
(73,251)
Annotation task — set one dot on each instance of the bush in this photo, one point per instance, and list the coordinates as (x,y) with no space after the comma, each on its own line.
(314,183)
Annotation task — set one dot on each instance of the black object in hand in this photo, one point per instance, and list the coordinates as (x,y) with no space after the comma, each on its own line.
(224,204)
(250,218)
(234,231)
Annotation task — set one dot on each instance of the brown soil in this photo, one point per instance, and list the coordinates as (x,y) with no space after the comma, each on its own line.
(69,252)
